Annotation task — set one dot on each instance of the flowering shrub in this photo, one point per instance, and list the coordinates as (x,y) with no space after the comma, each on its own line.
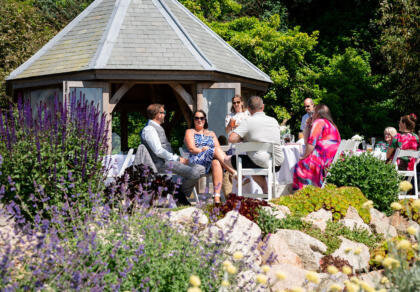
(336,200)
(45,151)
(377,180)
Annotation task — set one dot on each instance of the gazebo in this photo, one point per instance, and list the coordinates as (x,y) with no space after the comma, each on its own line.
(126,54)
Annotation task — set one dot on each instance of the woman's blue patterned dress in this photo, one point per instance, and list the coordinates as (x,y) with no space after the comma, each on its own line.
(203,158)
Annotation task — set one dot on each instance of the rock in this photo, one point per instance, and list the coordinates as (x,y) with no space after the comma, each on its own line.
(319,218)
(399,222)
(246,281)
(278,252)
(381,224)
(190,215)
(295,277)
(240,234)
(309,249)
(353,214)
(284,209)
(352,224)
(372,278)
(274,212)
(328,280)
(359,262)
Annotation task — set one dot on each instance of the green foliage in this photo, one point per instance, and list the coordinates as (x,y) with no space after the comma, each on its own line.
(377,180)
(330,237)
(212,9)
(356,98)
(399,44)
(331,198)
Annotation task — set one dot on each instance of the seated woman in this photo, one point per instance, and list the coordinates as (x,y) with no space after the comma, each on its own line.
(204,150)
(389,133)
(237,114)
(323,142)
(405,140)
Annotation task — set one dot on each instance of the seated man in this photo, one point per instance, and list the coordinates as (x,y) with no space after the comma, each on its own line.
(154,138)
(258,128)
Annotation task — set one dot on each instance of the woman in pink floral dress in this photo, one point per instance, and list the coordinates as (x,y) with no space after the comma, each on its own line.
(323,142)
(405,140)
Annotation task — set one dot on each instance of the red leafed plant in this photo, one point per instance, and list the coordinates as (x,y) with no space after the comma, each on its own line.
(247,207)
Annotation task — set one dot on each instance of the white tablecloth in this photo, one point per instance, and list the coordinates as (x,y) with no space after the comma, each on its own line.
(115,162)
(292,153)
(377,153)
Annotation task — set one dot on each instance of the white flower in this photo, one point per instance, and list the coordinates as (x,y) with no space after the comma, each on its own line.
(357,138)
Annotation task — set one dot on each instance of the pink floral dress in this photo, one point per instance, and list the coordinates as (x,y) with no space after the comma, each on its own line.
(311,170)
(405,141)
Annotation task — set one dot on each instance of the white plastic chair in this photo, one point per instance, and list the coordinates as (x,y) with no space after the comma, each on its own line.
(270,171)
(408,173)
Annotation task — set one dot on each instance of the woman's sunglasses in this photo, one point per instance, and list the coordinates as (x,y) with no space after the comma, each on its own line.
(236,102)
(199,118)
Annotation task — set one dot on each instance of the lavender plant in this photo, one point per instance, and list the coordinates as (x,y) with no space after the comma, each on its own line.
(47,150)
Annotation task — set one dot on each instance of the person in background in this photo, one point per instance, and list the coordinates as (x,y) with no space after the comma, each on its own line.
(389,133)
(309,108)
(205,150)
(237,114)
(405,140)
(258,128)
(154,138)
(323,142)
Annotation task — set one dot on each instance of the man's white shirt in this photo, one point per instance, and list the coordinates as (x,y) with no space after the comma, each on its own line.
(150,135)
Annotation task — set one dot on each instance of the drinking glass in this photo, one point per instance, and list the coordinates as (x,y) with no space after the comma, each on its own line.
(372,141)
(363,145)
(369,148)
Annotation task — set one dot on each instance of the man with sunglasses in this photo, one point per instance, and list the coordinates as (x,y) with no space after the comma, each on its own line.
(154,138)
(309,108)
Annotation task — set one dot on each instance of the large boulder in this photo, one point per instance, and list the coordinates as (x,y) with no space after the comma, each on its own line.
(238,234)
(353,224)
(278,252)
(319,218)
(328,280)
(190,215)
(372,278)
(295,277)
(381,224)
(284,209)
(274,212)
(399,222)
(348,251)
(353,214)
(309,249)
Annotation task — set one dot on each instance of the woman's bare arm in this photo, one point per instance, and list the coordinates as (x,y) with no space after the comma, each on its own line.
(190,143)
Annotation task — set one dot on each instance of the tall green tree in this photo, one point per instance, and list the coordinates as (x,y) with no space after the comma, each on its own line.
(400,45)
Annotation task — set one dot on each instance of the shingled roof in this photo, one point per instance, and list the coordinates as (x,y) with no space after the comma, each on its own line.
(137,35)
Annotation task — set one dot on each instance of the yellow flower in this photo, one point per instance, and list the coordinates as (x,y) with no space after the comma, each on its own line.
(412,230)
(226,264)
(265,268)
(347,250)
(347,270)
(357,251)
(396,206)
(382,290)
(367,204)
(225,283)
(384,280)
(297,289)
(405,186)
(194,289)
(313,277)
(332,270)
(280,275)
(261,279)
(354,280)
(415,246)
(195,280)
(366,287)
(404,244)
(238,255)
(390,263)
(416,204)
(335,287)
(351,287)
(379,258)
(231,269)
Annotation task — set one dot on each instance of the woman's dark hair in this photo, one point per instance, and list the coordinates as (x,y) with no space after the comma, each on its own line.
(409,122)
(232,108)
(324,112)
(206,125)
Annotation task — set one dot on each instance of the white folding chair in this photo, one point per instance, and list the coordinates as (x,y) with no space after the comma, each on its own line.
(126,162)
(270,171)
(408,173)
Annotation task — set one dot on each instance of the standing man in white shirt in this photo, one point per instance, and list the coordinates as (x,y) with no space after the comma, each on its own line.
(258,128)
(154,138)
(309,108)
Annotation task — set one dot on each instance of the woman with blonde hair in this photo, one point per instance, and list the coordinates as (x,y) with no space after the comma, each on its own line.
(389,133)
(236,115)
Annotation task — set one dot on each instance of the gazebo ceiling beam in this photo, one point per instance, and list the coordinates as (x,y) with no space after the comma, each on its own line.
(120,93)
(183,94)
